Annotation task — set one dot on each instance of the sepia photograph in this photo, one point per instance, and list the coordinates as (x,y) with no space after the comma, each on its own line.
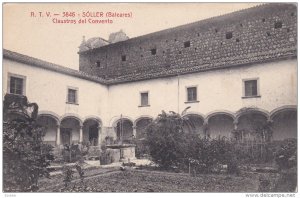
(150,97)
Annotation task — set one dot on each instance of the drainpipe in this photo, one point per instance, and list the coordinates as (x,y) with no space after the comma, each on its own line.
(177,93)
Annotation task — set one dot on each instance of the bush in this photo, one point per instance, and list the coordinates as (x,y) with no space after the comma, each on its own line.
(172,148)
(166,140)
(25,156)
(286,156)
(67,175)
(75,152)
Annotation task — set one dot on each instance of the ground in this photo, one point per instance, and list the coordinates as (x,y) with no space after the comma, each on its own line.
(112,179)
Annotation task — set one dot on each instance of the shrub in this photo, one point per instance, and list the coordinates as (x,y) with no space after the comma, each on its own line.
(25,156)
(166,140)
(170,147)
(286,156)
(67,175)
(74,152)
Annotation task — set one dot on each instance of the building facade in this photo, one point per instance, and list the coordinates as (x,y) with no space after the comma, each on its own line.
(234,71)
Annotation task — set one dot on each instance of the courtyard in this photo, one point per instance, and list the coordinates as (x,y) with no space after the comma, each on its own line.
(113,179)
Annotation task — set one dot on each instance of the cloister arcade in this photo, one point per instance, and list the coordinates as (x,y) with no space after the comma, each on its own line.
(71,128)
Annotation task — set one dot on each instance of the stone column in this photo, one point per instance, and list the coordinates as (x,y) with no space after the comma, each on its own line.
(134,131)
(58,135)
(235,124)
(80,134)
(205,128)
(99,136)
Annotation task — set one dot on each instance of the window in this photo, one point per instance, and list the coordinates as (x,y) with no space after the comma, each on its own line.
(250,88)
(98,63)
(228,35)
(187,44)
(144,99)
(16,84)
(72,96)
(123,57)
(191,94)
(153,51)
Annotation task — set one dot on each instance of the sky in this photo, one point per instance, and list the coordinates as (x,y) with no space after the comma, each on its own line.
(24,31)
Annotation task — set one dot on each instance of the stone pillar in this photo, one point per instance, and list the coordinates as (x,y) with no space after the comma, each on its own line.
(80,134)
(134,131)
(99,136)
(235,124)
(58,135)
(205,128)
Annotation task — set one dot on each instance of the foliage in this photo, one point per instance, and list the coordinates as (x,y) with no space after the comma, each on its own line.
(67,175)
(210,155)
(166,140)
(171,147)
(80,171)
(75,152)
(264,184)
(25,156)
(286,156)
(144,181)
(141,149)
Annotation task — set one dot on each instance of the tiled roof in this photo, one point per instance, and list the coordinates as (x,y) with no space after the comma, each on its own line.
(49,66)
(254,39)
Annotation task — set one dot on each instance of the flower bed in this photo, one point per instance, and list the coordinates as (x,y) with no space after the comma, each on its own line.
(147,181)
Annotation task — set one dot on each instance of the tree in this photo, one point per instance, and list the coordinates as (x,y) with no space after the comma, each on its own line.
(25,156)
(166,141)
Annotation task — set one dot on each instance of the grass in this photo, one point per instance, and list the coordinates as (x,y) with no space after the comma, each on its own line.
(155,181)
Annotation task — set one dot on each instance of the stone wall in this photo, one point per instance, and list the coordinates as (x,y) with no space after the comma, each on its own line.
(229,39)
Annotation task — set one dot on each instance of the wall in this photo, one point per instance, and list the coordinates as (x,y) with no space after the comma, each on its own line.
(217,91)
(253,34)
(49,90)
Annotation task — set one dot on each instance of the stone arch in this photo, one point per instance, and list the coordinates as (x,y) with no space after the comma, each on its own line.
(245,111)
(50,114)
(249,120)
(92,130)
(95,118)
(71,115)
(140,125)
(284,122)
(114,120)
(141,118)
(282,109)
(123,128)
(220,123)
(70,129)
(220,112)
(50,122)
(195,123)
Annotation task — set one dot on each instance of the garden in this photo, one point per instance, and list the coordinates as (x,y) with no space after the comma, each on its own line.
(181,162)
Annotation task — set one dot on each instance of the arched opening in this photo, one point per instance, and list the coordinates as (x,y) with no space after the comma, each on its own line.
(50,125)
(220,125)
(194,124)
(91,132)
(124,130)
(141,149)
(70,131)
(285,124)
(253,125)
(141,126)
